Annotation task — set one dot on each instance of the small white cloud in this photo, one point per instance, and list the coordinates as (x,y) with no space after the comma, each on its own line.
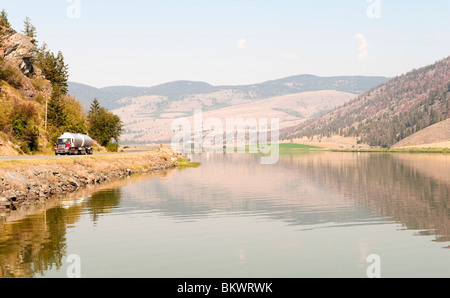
(242,43)
(363,47)
(289,56)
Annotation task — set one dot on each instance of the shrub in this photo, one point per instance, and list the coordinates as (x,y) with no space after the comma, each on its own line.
(38,83)
(10,74)
(21,121)
(112,147)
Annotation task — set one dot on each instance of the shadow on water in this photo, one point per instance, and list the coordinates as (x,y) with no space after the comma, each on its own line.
(304,191)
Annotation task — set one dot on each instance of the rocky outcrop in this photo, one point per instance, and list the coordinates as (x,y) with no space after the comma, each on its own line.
(18,49)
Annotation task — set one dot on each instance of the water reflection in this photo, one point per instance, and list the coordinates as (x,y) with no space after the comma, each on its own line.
(413,190)
(310,189)
(307,191)
(33,239)
(34,244)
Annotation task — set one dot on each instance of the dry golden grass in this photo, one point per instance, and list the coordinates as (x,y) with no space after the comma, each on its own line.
(334,142)
(434,136)
(97,164)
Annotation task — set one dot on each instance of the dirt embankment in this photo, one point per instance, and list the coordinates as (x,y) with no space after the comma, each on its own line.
(25,182)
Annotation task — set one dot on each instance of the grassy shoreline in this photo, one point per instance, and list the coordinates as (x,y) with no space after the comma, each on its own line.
(186,163)
(286,148)
(404,150)
(292,147)
(297,147)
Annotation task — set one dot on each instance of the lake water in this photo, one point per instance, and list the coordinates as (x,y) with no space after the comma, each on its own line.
(318,214)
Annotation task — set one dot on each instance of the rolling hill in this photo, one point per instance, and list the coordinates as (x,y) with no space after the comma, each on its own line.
(141,125)
(178,90)
(147,112)
(387,114)
(434,136)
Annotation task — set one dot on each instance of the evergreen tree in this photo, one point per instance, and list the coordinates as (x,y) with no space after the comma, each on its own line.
(94,119)
(4,19)
(62,73)
(104,126)
(56,110)
(29,30)
(53,67)
(95,106)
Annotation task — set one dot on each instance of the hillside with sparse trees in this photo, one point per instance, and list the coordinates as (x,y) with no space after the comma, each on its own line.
(389,113)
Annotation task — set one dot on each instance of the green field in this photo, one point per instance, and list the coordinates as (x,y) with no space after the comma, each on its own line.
(296,146)
(286,148)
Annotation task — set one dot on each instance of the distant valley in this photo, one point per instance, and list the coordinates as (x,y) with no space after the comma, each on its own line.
(147,112)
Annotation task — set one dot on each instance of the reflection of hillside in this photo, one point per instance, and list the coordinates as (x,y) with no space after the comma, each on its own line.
(310,189)
(434,165)
(240,184)
(405,188)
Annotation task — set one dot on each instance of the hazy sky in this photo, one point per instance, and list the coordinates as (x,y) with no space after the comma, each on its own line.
(145,43)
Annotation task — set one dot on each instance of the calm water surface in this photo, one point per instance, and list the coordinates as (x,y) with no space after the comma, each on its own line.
(310,215)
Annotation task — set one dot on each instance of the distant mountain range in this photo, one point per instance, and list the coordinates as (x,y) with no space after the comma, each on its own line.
(389,113)
(147,112)
(110,97)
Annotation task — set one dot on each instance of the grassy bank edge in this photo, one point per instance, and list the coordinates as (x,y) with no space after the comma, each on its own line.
(296,147)
(411,150)
(186,163)
(132,161)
